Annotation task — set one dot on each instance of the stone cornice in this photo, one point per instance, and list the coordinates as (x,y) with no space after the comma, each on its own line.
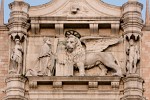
(132,20)
(134,77)
(4,28)
(131,12)
(18,20)
(92,81)
(75,78)
(132,24)
(54,20)
(18,13)
(20,24)
(15,77)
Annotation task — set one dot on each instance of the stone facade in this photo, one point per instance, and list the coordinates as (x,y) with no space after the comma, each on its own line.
(74,49)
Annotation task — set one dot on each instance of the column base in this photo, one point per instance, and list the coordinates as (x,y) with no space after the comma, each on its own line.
(15,87)
(133,97)
(15,97)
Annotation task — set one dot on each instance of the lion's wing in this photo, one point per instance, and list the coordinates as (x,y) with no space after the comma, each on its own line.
(99,43)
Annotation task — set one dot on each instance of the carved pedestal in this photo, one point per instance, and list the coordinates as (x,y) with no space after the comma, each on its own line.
(15,88)
(133,87)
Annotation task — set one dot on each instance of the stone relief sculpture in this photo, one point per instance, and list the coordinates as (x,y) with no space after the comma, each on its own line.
(76,52)
(45,59)
(84,59)
(17,58)
(75,8)
(133,56)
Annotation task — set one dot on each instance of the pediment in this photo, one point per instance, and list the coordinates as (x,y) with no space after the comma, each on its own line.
(75,8)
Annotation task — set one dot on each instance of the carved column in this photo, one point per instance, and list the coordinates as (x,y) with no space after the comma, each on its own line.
(132,26)
(18,26)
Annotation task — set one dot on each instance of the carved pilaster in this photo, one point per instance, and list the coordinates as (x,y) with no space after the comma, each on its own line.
(18,26)
(132,26)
